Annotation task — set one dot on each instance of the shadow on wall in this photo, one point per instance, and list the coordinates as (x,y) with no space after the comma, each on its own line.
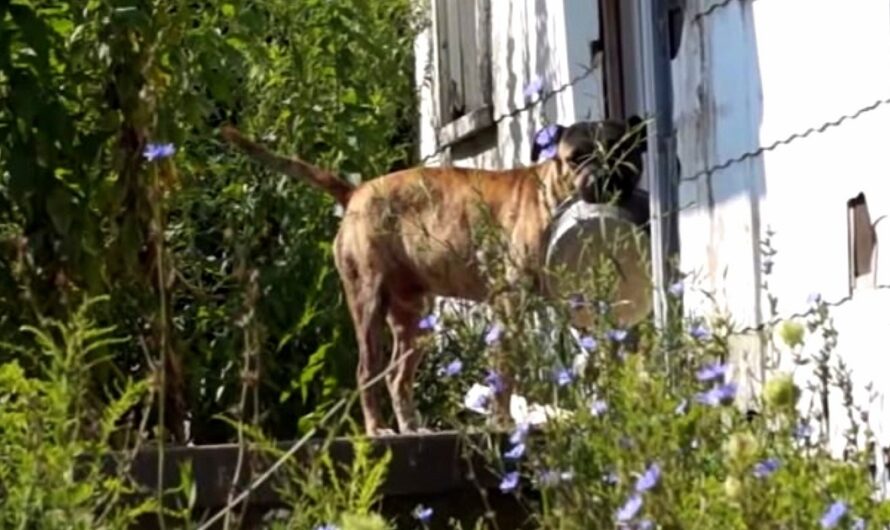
(718,107)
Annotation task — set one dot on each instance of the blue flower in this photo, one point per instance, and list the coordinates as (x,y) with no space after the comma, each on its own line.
(534,87)
(510,481)
(599,407)
(649,478)
(546,139)
(717,395)
(814,299)
(699,332)
(577,301)
(766,468)
(552,477)
(520,434)
(495,382)
(453,368)
(630,508)
(588,343)
(833,514)
(428,322)
(327,526)
(645,524)
(564,377)
(617,335)
(682,407)
(711,371)
(423,513)
(858,524)
(515,453)
(802,431)
(493,335)
(676,289)
(157,151)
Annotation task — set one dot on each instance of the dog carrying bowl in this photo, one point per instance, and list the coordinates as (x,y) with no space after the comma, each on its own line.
(583,237)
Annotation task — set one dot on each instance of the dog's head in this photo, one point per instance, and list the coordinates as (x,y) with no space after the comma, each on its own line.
(602,158)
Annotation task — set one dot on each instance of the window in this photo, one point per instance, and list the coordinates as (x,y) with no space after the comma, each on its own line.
(862,243)
(464,46)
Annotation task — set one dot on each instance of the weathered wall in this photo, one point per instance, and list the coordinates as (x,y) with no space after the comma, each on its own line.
(754,73)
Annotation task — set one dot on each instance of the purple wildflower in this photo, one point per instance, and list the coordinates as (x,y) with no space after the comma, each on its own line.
(564,377)
(833,514)
(645,524)
(676,289)
(552,477)
(599,407)
(588,343)
(814,299)
(682,407)
(649,478)
(428,322)
(515,453)
(717,395)
(711,371)
(546,138)
(534,87)
(803,431)
(766,468)
(630,508)
(157,151)
(453,368)
(510,481)
(493,335)
(495,382)
(577,301)
(423,513)
(617,335)
(700,332)
(520,434)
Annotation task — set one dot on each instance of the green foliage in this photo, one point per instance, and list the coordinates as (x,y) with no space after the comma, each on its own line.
(56,470)
(85,85)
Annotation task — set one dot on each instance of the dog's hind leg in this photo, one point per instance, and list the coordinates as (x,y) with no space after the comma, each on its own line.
(367,306)
(403,316)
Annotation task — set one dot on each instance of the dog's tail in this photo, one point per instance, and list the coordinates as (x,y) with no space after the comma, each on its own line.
(340,189)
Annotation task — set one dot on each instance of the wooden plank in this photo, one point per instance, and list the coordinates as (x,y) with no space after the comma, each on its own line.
(455,100)
(483,50)
(472,89)
(421,465)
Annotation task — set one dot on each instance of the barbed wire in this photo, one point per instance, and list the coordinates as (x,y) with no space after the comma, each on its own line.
(803,314)
(710,10)
(791,138)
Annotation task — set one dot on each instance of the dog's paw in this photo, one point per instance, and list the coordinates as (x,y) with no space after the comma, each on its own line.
(384,432)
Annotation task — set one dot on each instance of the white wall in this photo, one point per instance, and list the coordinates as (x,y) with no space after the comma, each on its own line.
(754,73)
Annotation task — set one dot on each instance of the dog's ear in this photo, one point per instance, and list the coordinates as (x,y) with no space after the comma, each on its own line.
(635,125)
(546,139)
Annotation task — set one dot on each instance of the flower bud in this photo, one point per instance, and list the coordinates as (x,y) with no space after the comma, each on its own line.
(741,448)
(791,333)
(781,392)
(733,488)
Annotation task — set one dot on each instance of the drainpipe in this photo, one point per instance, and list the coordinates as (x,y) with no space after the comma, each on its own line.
(660,156)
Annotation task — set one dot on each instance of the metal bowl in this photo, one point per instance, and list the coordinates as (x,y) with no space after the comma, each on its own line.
(584,235)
